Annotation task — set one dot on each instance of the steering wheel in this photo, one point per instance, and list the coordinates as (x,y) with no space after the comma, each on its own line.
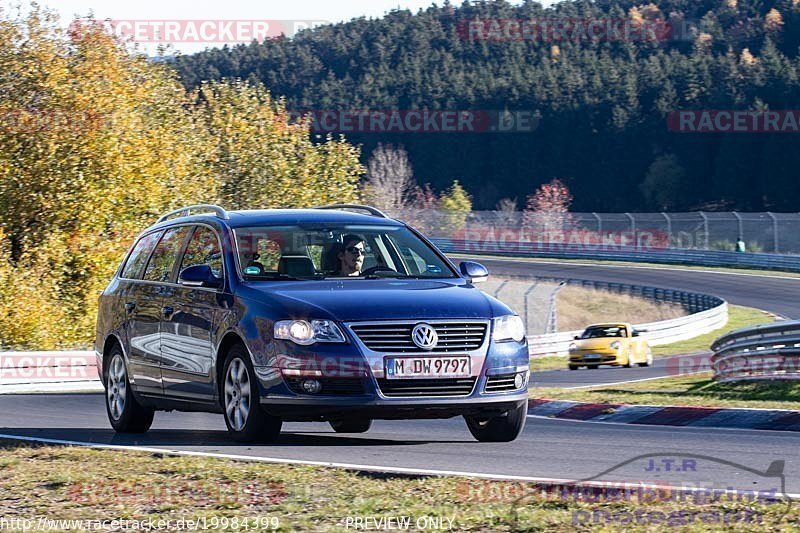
(378,268)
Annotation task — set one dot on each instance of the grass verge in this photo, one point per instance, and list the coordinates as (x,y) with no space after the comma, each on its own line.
(738,317)
(70,483)
(694,390)
(580,306)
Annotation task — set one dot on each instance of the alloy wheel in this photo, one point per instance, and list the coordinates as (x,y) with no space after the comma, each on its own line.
(237,394)
(116,387)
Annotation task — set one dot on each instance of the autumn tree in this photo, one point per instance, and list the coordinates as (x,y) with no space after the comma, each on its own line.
(96,142)
(390,181)
(260,159)
(547,208)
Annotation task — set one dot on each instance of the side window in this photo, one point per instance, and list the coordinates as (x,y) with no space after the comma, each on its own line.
(414,263)
(162,262)
(203,249)
(138,257)
(269,255)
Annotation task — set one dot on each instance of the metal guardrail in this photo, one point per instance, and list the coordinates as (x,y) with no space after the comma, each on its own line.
(711,258)
(766,352)
(707,313)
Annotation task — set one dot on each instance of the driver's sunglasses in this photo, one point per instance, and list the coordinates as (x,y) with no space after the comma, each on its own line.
(355,251)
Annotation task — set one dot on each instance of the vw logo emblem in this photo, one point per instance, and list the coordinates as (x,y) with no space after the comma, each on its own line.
(424,336)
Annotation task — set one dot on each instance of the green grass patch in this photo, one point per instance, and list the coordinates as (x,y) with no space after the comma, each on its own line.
(71,483)
(738,317)
(694,390)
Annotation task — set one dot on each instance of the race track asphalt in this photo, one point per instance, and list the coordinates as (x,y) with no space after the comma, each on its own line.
(547,448)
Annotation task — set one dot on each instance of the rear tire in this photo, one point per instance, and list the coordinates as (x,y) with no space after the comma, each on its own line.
(124,411)
(502,428)
(239,394)
(351,426)
(574,367)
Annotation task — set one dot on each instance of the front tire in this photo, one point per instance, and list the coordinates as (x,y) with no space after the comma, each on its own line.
(629,361)
(502,428)
(245,419)
(351,426)
(124,411)
(649,360)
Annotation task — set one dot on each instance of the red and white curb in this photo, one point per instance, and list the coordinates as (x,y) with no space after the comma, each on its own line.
(653,415)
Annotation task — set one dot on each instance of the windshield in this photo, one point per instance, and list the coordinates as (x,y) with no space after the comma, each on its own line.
(604,331)
(336,251)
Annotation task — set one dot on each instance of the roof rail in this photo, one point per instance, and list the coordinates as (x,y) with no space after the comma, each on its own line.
(184,211)
(369,209)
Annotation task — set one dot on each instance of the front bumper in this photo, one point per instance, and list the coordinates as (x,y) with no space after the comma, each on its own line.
(354,389)
(594,358)
(328,408)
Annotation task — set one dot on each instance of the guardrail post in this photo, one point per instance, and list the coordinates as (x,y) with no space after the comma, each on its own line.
(705,227)
(633,230)
(774,230)
(669,229)
(525,302)
(741,225)
(599,226)
(552,321)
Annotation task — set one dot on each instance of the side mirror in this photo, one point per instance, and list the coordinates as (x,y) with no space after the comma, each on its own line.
(199,276)
(576,337)
(474,272)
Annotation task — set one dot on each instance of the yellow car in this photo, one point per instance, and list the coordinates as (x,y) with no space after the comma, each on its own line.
(609,344)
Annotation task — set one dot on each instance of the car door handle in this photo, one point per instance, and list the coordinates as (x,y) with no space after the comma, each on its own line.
(167,311)
(130,306)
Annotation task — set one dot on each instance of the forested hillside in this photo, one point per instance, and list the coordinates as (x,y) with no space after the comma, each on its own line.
(603,104)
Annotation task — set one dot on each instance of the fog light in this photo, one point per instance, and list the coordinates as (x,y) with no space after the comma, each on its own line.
(519,381)
(312,386)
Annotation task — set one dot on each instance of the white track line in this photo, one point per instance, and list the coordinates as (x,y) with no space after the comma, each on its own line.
(632,381)
(347,466)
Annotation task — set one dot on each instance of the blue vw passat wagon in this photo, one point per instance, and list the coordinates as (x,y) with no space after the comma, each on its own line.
(319,314)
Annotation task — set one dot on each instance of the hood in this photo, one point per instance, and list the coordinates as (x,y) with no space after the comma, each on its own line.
(376,299)
(598,344)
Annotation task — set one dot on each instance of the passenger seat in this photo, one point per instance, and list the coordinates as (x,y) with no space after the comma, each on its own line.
(297,266)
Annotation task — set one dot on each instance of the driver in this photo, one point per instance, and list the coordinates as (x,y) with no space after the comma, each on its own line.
(351,257)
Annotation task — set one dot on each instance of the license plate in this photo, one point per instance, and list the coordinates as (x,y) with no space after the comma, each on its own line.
(428,367)
(591,357)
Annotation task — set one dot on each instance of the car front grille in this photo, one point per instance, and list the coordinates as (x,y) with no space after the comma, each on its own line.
(330,386)
(502,383)
(396,337)
(427,387)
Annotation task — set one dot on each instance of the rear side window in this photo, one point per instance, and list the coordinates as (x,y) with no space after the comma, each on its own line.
(203,249)
(162,262)
(141,251)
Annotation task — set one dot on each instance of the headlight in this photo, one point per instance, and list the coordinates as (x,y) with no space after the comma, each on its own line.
(508,328)
(615,345)
(573,347)
(305,332)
